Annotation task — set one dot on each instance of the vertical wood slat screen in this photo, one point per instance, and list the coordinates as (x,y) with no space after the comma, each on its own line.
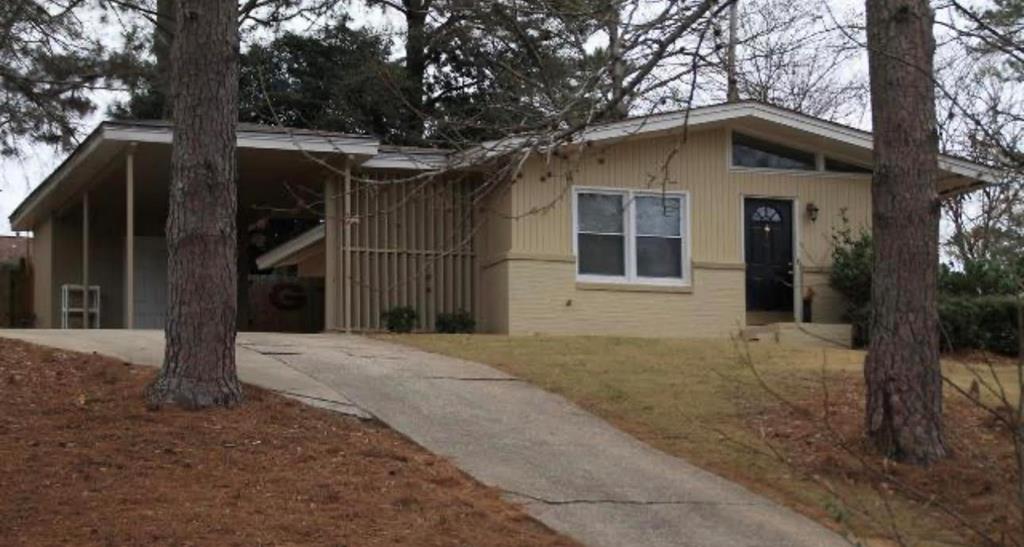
(411,245)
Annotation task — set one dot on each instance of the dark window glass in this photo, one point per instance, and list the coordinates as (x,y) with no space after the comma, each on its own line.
(766,214)
(659,257)
(751,152)
(839,166)
(602,254)
(602,238)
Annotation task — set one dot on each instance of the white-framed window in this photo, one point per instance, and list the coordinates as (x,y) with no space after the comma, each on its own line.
(631,236)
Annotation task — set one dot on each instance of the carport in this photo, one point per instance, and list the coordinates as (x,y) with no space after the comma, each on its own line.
(99,219)
(395,230)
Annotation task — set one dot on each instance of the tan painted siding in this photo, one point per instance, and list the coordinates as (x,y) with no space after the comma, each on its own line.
(541,226)
(494,298)
(42,274)
(697,166)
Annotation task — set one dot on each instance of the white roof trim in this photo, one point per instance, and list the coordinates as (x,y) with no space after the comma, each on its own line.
(408,159)
(87,148)
(279,255)
(260,140)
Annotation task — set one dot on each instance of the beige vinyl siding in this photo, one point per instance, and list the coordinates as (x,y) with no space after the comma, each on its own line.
(541,198)
(494,298)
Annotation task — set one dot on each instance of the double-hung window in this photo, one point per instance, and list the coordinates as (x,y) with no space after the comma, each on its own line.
(630,236)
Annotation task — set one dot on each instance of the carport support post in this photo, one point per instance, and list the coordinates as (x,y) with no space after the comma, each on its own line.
(347,246)
(333,260)
(129,239)
(85,259)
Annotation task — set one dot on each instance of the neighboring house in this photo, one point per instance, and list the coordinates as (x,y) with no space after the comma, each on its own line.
(682,224)
(15,281)
(14,250)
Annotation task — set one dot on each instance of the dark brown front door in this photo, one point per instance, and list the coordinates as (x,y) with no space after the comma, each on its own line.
(769,254)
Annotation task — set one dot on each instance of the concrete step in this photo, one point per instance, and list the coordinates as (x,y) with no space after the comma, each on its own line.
(834,335)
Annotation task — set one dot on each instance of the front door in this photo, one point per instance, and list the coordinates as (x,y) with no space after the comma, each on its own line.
(769,254)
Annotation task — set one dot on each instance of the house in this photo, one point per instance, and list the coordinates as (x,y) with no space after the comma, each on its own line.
(693,223)
(15,280)
(14,250)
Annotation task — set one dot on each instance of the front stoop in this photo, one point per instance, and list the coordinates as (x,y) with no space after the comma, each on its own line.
(832,335)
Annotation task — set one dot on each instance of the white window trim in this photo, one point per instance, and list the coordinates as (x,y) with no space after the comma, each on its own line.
(629,235)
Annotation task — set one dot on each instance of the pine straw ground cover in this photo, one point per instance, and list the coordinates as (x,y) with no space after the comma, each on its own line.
(701,400)
(83,462)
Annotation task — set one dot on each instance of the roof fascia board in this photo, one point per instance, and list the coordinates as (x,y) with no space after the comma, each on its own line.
(257,140)
(408,163)
(52,182)
(284,251)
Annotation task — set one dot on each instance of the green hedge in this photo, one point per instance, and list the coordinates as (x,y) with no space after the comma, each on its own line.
(456,322)
(980,322)
(400,319)
(968,322)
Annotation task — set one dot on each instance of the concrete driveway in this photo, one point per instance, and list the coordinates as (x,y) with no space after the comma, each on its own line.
(571,470)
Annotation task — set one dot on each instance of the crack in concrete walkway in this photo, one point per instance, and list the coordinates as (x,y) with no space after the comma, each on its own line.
(567,468)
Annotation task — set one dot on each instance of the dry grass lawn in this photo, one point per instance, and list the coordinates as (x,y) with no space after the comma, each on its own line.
(700,399)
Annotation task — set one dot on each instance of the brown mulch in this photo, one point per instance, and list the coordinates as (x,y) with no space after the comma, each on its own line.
(973,491)
(83,462)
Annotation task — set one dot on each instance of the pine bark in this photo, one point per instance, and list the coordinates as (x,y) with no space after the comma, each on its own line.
(902,371)
(416,45)
(199,360)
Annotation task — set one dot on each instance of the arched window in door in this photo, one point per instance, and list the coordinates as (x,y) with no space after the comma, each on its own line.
(765,213)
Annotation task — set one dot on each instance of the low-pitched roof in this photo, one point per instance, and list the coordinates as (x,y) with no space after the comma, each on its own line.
(111,137)
(717,114)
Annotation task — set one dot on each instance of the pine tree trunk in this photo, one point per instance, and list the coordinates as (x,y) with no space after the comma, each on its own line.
(199,361)
(904,380)
(416,43)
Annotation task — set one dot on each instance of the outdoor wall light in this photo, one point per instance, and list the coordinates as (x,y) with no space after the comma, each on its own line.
(812,212)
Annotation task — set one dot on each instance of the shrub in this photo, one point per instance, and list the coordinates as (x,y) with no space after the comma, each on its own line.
(457,322)
(980,322)
(977,278)
(966,322)
(852,257)
(400,319)
(977,309)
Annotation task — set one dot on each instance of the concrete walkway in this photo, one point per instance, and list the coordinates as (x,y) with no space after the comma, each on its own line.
(570,470)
